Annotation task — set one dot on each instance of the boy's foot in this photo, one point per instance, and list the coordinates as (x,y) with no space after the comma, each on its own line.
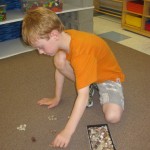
(91,93)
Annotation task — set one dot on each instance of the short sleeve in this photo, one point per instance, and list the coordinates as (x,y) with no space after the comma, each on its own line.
(85,69)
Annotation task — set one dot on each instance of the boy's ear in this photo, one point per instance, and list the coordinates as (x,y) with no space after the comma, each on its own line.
(54,34)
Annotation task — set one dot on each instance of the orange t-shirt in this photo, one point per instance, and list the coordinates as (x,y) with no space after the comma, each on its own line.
(91,59)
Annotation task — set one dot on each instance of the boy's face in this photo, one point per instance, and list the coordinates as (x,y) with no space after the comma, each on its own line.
(47,46)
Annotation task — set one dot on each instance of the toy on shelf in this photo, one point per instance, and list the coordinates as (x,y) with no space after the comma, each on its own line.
(2,12)
(54,5)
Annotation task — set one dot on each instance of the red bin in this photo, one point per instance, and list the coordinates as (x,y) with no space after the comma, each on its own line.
(135,6)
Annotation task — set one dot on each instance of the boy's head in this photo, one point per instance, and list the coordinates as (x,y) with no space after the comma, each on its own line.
(38,24)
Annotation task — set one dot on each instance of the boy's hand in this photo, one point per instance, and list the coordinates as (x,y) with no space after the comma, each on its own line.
(50,102)
(62,139)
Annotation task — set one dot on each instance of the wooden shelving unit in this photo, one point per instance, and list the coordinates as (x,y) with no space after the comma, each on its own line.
(139,20)
(109,7)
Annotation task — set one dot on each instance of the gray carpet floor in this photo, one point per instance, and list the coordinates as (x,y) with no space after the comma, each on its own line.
(27,77)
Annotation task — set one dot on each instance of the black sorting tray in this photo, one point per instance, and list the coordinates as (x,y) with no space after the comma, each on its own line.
(99,132)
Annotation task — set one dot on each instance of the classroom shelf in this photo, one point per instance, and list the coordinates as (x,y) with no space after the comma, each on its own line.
(138,14)
(16,46)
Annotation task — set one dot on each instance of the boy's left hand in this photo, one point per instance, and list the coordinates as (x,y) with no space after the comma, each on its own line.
(62,139)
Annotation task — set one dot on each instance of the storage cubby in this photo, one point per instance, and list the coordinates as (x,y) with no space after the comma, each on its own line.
(109,7)
(136,16)
(147,8)
(133,20)
(75,15)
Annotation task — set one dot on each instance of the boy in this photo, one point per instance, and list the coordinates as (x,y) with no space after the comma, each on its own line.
(81,57)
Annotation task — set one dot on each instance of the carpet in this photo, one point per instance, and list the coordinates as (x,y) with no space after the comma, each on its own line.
(28,77)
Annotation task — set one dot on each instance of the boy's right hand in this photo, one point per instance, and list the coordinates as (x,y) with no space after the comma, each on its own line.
(50,102)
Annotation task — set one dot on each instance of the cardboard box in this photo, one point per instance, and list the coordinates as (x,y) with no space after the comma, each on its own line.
(135,6)
(54,5)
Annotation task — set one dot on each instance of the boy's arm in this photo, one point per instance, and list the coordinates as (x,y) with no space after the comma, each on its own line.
(78,110)
(59,79)
(63,138)
(52,102)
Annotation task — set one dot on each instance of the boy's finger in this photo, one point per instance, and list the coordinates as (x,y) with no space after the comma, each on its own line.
(51,106)
(43,103)
(62,145)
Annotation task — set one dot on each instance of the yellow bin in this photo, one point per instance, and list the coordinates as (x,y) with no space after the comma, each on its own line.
(133,21)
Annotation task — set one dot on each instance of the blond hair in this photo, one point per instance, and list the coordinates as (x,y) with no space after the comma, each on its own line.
(38,23)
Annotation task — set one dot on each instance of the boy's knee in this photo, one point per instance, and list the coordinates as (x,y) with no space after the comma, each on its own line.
(112,117)
(112,113)
(60,60)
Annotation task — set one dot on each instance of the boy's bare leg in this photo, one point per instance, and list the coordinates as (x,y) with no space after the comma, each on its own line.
(112,100)
(112,112)
(63,65)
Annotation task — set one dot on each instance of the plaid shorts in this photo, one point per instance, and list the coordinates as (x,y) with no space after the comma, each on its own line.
(111,92)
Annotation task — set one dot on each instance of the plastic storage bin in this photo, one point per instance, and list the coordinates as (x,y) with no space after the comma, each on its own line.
(135,6)
(54,5)
(133,20)
(10,31)
(147,25)
(12,4)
